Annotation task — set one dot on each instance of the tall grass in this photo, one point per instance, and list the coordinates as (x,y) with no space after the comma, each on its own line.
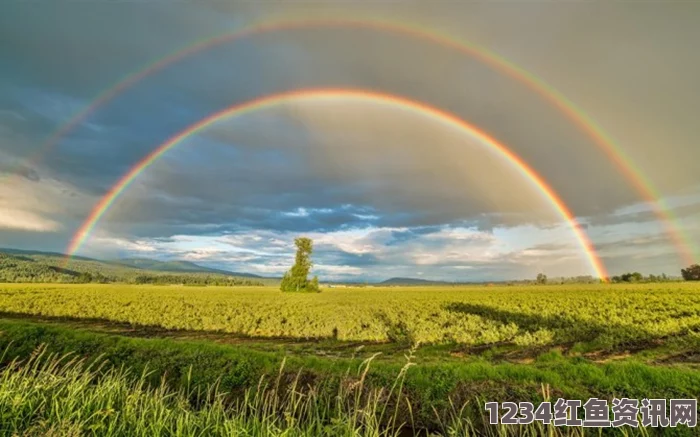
(56,395)
(52,395)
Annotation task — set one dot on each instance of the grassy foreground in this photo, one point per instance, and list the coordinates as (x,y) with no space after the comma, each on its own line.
(167,387)
(63,396)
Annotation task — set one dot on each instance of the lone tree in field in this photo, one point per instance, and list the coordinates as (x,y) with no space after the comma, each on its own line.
(296,278)
(692,273)
(541,278)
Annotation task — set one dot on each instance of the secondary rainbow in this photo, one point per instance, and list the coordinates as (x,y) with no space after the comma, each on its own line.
(343,95)
(632,173)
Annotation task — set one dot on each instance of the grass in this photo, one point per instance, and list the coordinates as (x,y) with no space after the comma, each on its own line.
(435,391)
(53,395)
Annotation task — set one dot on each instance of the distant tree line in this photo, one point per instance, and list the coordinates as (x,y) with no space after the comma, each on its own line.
(692,273)
(542,279)
(635,277)
(193,280)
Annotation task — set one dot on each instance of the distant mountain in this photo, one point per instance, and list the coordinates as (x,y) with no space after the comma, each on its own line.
(41,253)
(18,265)
(177,266)
(412,281)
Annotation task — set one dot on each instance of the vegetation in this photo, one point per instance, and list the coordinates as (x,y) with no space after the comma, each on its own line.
(164,360)
(602,316)
(45,268)
(296,279)
(202,388)
(63,396)
(692,273)
(636,277)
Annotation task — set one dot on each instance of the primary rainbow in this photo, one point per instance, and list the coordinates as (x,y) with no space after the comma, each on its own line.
(614,152)
(338,94)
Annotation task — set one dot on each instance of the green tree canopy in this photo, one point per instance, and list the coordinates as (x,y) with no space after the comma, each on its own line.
(296,279)
(692,273)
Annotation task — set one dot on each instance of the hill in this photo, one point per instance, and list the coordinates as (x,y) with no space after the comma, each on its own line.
(412,281)
(36,266)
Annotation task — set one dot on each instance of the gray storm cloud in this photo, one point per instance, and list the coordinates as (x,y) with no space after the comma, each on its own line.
(410,168)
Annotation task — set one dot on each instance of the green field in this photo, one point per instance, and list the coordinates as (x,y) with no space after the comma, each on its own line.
(599,316)
(465,345)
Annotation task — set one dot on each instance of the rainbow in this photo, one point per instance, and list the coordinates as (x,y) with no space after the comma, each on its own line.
(337,94)
(614,152)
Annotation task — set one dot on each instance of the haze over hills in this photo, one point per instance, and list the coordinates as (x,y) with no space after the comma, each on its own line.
(20,252)
(412,281)
(177,266)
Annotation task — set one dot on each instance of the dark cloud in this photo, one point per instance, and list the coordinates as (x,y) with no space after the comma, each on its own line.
(342,258)
(400,236)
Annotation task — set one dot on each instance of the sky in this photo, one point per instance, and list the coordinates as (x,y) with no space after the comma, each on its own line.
(382,190)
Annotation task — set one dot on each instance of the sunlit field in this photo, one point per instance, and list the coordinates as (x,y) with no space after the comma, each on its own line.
(604,315)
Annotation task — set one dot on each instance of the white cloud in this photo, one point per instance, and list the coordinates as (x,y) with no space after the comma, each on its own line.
(374,253)
(25,221)
(38,205)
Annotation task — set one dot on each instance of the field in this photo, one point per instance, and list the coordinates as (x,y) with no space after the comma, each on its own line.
(601,316)
(433,351)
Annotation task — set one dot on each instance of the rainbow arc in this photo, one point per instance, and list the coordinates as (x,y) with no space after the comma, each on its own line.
(341,95)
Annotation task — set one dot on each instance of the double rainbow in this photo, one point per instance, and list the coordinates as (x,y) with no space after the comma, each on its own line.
(617,155)
(373,97)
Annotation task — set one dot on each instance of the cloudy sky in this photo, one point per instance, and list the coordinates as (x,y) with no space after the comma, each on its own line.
(382,190)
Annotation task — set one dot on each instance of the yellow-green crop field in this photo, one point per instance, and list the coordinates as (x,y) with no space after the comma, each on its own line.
(607,315)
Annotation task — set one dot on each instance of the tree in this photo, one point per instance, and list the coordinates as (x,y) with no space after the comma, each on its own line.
(84,278)
(632,277)
(296,279)
(692,273)
(541,278)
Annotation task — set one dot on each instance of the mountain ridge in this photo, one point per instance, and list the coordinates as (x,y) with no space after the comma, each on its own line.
(411,281)
(177,266)
(144,264)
